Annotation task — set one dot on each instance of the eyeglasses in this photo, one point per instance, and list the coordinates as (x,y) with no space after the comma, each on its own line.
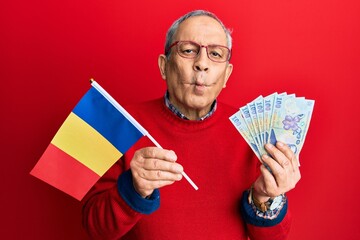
(189,49)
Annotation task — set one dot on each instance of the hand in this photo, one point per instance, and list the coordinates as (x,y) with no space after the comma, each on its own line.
(153,168)
(284,173)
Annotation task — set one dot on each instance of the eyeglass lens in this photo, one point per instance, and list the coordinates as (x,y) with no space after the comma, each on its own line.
(215,53)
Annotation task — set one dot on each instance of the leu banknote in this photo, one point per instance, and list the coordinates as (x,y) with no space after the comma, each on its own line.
(276,117)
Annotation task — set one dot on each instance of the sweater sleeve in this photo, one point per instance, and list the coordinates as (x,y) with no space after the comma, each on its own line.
(113,206)
(261,228)
(133,199)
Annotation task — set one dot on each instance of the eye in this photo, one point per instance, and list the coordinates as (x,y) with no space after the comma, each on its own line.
(218,52)
(188,49)
(215,54)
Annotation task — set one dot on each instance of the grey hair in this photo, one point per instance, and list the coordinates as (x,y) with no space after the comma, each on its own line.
(174,27)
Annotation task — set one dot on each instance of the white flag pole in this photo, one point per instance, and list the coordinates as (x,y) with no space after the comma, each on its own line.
(134,122)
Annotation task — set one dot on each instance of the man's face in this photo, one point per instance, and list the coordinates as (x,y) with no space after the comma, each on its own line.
(194,84)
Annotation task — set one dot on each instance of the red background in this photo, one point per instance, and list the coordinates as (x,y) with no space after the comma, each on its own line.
(50,49)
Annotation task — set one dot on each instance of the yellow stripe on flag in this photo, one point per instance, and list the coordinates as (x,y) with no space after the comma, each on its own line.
(85,144)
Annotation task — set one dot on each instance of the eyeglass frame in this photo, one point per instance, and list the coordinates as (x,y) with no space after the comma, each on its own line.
(201,46)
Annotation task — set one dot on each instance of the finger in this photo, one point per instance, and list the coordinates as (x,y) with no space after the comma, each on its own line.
(278,156)
(145,188)
(162,183)
(285,149)
(158,164)
(151,185)
(142,156)
(270,183)
(159,175)
(275,168)
(285,178)
(269,179)
(279,174)
(159,153)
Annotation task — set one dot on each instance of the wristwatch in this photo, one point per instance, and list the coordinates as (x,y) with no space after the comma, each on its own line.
(270,204)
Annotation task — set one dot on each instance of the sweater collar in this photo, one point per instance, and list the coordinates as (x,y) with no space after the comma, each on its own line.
(174,110)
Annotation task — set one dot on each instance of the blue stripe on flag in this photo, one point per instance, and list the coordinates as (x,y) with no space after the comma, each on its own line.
(99,113)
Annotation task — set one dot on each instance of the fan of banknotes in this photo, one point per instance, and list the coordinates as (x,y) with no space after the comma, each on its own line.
(277,117)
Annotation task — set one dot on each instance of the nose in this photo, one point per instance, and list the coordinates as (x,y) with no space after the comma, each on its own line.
(201,62)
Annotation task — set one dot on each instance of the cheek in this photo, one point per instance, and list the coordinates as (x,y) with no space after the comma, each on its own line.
(179,74)
(179,68)
(217,90)
(219,80)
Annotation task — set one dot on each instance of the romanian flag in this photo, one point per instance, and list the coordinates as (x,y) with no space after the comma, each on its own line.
(93,137)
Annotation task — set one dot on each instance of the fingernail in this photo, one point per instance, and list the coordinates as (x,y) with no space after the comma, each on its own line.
(280,144)
(264,157)
(180,169)
(172,155)
(268,145)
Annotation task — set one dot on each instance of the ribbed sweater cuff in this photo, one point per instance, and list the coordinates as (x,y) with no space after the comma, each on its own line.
(133,199)
(250,216)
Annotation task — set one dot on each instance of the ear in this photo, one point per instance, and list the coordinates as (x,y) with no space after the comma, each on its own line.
(228,72)
(162,60)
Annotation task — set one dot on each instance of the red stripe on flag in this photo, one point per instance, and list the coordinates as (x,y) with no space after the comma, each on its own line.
(60,170)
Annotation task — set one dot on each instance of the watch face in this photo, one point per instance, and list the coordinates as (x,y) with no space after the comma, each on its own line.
(276,202)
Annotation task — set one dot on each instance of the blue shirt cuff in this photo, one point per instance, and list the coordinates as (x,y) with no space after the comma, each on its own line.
(249,213)
(133,199)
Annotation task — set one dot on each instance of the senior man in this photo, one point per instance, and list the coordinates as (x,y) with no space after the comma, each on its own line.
(237,197)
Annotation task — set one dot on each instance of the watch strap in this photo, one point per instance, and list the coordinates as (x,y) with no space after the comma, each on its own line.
(261,206)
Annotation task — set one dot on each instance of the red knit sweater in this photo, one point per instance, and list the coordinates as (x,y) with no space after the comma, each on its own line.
(215,157)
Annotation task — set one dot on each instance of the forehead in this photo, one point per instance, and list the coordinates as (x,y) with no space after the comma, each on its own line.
(202,29)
